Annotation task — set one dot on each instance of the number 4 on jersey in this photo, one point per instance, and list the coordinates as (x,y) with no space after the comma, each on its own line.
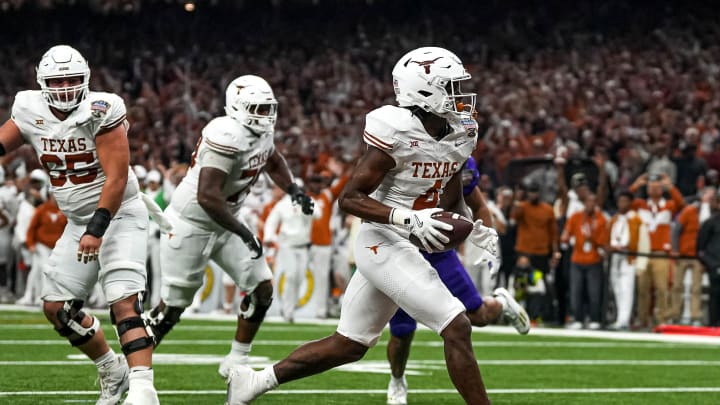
(430,198)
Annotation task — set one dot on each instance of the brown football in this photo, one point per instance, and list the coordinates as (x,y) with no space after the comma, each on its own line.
(461,229)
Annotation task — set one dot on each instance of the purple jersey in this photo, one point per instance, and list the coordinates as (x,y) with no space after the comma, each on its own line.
(449,268)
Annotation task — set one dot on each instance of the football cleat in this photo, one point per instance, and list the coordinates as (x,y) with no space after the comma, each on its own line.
(113,381)
(397,391)
(513,312)
(243,385)
(229,362)
(142,391)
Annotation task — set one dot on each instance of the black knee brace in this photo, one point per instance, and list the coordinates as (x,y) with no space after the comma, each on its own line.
(255,309)
(134,322)
(162,321)
(70,317)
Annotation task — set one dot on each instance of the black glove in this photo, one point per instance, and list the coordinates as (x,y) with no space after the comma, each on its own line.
(251,241)
(298,196)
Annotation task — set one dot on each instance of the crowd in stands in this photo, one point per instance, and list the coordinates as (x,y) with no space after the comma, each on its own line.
(612,97)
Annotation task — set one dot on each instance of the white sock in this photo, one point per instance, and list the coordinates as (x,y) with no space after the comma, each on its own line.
(105,360)
(268,378)
(240,349)
(397,380)
(139,368)
(502,300)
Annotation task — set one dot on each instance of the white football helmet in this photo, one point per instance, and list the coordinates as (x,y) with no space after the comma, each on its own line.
(430,78)
(250,100)
(63,61)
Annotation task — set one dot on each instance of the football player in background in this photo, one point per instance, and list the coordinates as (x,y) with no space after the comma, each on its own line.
(80,138)
(415,152)
(231,153)
(480,311)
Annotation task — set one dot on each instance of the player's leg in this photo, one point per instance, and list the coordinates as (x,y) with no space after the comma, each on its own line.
(184,253)
(365,312)
(320,257)
(480,311)
(402,331)
(405,277)
(253,276)
(67,285)
(290,263)
(123,276)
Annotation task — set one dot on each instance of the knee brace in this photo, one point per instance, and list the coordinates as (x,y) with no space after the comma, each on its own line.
(71,317)
(402,324)
(162,321)
(255,308)
(133,322)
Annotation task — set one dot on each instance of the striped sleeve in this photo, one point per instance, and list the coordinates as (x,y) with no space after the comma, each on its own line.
(373,140)
(378,131)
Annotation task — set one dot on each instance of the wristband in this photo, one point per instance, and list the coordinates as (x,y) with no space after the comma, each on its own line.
(99,223)
(399,216)
(293,189)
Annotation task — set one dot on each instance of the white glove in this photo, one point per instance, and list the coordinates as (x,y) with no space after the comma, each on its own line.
(423,226)
(156,213)
(488,260)
(483,236)
(487,240)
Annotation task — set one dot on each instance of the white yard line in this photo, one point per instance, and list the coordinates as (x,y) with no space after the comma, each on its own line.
(186,359)
(478,343)
(624,390)
(302,324)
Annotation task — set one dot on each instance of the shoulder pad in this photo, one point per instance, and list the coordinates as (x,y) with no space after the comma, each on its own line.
(225,135)
(23,102)
(397,118)
(383,124)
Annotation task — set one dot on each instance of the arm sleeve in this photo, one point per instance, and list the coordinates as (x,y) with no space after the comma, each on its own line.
(677,198)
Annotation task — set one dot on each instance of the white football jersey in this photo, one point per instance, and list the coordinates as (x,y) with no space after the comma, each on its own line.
(249,153)
(423,165)
(66,149)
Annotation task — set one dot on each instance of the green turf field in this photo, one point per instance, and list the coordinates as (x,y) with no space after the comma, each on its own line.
(38,367)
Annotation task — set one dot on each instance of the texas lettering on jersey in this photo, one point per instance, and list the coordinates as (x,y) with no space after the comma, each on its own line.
(434,170)
(63,145)
(423,165)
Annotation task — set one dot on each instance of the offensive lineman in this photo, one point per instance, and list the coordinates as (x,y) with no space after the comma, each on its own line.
(80,138)
(231,153)
(414,153)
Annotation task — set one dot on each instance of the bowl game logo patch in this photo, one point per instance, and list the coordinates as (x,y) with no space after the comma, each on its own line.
(470,126)
(99,108)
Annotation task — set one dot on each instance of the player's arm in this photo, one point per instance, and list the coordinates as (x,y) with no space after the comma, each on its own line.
(278,170)
(210,197)
(113,152)
(10,137)
(355,199)
(451,197)
(476,202)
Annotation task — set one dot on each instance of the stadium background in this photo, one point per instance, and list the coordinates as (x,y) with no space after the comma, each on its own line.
(632,80)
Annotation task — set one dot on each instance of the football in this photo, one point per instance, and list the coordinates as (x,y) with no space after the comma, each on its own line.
(461,229)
